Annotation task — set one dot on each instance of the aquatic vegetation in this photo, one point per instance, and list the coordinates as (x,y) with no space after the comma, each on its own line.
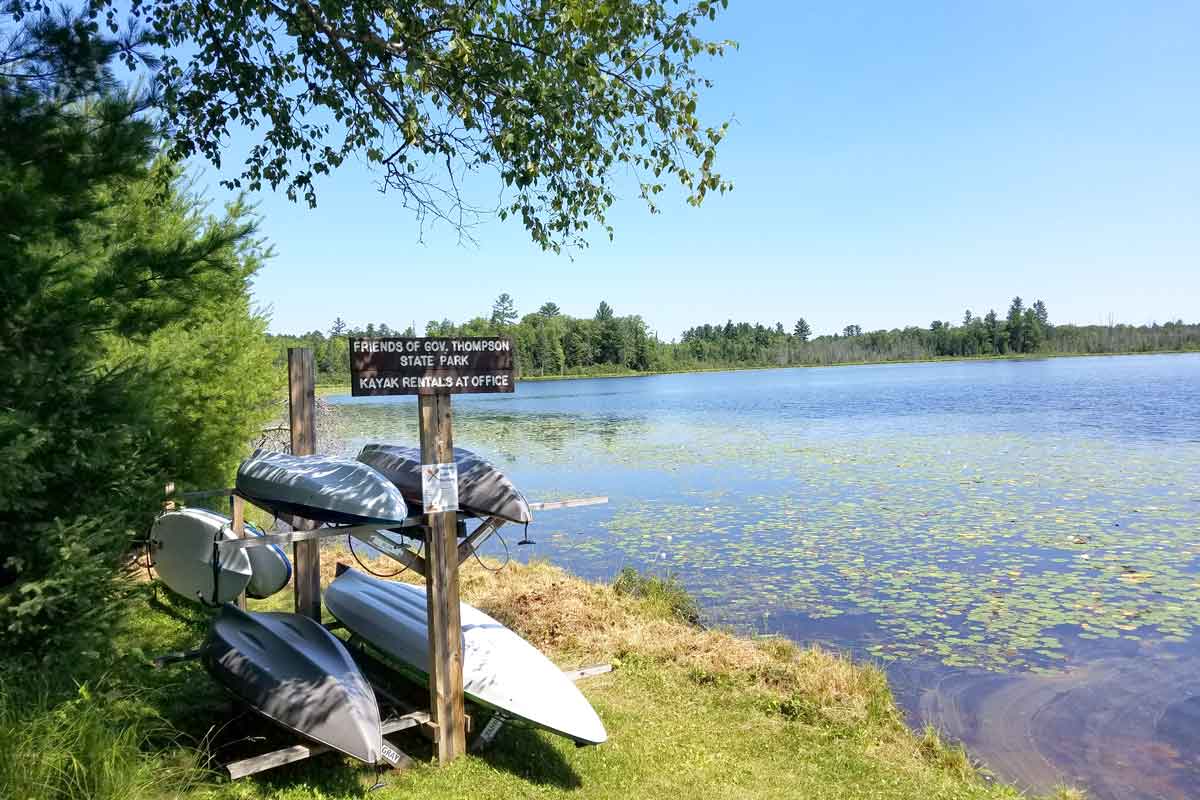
(974,547)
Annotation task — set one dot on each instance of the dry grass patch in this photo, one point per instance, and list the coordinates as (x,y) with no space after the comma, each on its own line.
(577,621)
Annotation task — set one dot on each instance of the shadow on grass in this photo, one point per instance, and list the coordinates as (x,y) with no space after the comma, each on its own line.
(335,774)
(245,734)
(528,754)
(193,617)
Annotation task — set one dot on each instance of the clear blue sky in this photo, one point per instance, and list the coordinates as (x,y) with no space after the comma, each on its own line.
(894,164)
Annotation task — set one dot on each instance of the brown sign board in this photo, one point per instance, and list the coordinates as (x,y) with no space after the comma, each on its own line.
(431,365)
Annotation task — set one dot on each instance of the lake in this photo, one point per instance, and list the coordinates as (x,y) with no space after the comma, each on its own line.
(1016,542)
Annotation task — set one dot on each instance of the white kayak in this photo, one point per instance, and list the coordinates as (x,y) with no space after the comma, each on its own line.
(270,568)
(501,670)
(320,488)
(183,555)
(181,547)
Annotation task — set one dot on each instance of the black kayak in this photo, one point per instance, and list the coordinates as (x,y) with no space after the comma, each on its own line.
(483,490)
(294,672)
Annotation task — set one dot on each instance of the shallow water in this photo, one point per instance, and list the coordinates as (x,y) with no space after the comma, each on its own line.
(1017,542)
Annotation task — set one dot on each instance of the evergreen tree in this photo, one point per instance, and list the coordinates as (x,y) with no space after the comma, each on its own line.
(504,311)
(338,328)
(1016,326)
(802,331)
(1043,315)
(442,328)
(991,323)
(550,310)
(604,312)
(1032,331)
(130,353)
(577,344)
(640,356)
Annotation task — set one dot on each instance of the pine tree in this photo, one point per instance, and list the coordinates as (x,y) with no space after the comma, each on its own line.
(338,328)
(1032,332)
(991,323)
(504,311)
(1016,326)
(802,331)
(135,299)
(1043,315)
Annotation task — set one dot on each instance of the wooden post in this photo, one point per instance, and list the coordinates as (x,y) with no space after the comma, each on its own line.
(441,586)
(302,403)
(238,509)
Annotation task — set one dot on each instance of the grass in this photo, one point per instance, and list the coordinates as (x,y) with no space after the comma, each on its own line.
(690,712)
(662,597)
(101,743)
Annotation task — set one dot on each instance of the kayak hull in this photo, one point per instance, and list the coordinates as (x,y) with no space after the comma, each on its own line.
(294,672)
(182,551)
(270,568)
(501,670)
(320,488)
(483,490)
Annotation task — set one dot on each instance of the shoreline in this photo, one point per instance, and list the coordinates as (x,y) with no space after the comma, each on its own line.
(810,722)
(340,388)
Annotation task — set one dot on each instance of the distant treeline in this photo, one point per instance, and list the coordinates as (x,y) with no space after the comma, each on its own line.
(552,343)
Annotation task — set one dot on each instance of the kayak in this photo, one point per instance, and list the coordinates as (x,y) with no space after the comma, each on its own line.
(501,670)
(320,488)
(483,490)
(181,547)
(270,568)
(296,673)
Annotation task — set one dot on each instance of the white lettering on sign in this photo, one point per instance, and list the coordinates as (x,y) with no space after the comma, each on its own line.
(427,365)
(478,345)
(439,487)
(435,381)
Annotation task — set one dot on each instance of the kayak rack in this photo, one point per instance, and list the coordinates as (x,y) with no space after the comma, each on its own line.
(389,540)
(404,718)
(384,539)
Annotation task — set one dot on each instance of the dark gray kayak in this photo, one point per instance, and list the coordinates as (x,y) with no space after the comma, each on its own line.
(294,672)
(482,489)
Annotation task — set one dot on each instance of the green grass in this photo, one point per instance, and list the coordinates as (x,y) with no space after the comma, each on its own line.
(664,596)
(101,743)
(690,713)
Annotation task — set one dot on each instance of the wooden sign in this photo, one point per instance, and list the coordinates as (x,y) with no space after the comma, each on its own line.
(431,365)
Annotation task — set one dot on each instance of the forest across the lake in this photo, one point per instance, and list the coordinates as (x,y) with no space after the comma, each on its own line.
(551,343)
